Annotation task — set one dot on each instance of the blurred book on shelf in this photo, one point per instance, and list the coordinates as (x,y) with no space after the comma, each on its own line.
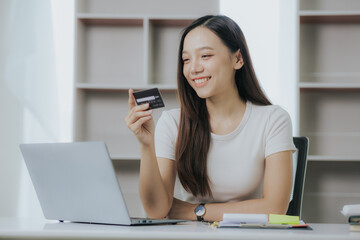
(352,211)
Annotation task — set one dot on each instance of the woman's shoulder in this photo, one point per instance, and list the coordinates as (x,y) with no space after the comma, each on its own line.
(268,110)
(273,118)
(172,115)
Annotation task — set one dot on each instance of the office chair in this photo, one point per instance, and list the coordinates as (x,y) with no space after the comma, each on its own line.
(302,146)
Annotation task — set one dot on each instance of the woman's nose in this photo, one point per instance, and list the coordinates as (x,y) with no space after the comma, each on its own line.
(196,67)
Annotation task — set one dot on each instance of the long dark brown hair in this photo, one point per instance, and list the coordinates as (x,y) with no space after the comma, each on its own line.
(194,136)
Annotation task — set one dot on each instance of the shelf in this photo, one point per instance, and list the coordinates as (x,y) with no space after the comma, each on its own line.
(167,20)
(324,158)
(330,78)
(308,86)
(329,105)
(328,13)
(110,19)
(330,53)
(180,21)
(103,51)
(329,5)
(123,88)
(101,118)
(329,16)
(163,45)
(331,121)
(143,7)
(334,194)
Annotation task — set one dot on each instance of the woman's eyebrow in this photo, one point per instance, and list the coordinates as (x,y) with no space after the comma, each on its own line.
(199,49)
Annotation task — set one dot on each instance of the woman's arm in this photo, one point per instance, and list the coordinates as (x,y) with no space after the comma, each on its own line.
(157,176)
(276,194)
(156,184)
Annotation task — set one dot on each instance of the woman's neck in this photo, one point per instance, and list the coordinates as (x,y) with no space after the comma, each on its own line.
(225,112)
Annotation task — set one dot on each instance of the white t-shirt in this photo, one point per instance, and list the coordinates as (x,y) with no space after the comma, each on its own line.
(236,161)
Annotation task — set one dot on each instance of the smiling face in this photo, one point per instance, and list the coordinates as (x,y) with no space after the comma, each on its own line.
(208,65)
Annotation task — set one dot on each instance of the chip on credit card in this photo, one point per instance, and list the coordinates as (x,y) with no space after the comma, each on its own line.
(151,96)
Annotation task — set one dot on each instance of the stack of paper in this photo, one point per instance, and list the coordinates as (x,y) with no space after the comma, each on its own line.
(353,213)
(260,221)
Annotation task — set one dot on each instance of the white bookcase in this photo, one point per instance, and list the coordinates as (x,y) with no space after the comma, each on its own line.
(329,90)
(122,44)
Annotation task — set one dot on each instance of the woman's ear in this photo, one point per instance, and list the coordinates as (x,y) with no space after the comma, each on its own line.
(239,62)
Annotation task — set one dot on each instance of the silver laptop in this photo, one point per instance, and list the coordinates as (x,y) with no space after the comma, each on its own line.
(76,182)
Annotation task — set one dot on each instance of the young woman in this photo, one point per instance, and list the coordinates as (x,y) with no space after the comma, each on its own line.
(229,147)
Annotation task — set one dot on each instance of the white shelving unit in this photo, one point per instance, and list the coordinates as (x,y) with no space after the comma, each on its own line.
(122,44)
(329,88)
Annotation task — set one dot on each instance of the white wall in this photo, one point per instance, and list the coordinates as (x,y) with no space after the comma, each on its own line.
(10,128)
(35,90)
(269,27)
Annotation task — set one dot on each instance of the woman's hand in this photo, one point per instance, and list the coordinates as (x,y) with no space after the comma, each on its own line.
(182,210)
(139,120)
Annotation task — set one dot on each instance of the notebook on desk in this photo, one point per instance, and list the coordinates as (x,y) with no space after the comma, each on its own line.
(77,182)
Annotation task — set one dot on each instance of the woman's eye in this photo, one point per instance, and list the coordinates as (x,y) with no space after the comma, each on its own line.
(186,60)
(206,56)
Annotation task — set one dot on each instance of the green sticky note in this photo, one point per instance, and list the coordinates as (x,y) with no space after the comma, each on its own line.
(283,219)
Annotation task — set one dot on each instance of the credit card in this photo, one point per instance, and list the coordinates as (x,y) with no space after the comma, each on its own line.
(151,96)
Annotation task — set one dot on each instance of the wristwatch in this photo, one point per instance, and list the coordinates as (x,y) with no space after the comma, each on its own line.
(200,211)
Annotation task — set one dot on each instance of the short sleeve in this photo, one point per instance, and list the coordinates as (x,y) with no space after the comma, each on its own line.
(279,136)
(166,134)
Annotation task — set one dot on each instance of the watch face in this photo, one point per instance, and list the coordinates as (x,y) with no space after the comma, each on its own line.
(200,210)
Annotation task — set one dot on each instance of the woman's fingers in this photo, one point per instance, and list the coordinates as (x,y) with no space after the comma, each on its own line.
(136,126)
(136,115)
(131,99)
(141,107)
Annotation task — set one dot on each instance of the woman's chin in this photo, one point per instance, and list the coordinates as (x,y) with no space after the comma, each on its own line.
(202,94)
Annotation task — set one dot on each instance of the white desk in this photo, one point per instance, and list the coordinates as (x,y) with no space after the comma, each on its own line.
(28,229)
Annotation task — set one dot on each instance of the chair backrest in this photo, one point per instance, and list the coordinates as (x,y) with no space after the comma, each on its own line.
(302,146)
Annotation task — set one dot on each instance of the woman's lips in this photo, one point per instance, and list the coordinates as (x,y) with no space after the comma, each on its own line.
(201,81)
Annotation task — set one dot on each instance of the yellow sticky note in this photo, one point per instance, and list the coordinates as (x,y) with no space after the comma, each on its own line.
(283,219)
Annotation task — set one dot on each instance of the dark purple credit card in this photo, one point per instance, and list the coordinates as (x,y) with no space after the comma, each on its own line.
(151,96)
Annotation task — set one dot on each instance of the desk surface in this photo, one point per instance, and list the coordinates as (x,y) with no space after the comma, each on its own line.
(39,229)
